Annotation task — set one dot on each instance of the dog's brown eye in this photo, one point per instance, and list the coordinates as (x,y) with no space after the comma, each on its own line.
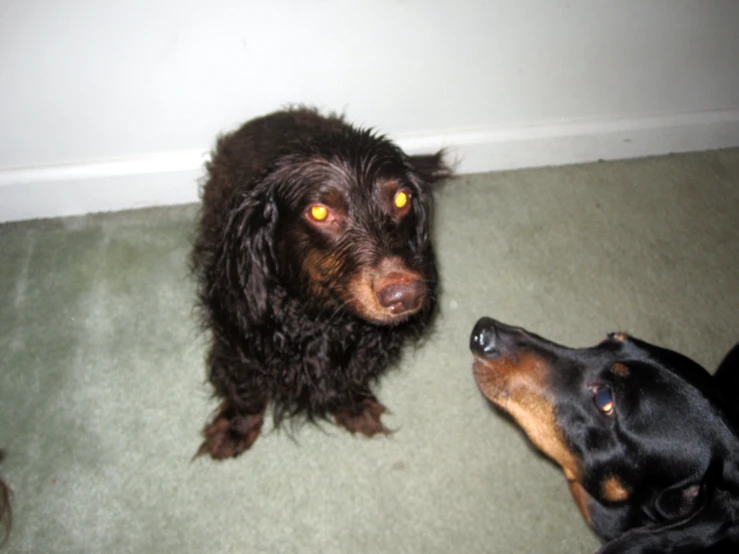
(318,212)
(604,400)
(401,199)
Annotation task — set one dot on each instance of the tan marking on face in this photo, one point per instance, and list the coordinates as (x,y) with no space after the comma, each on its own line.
(362,296)
(321,271)
(620,369)
(519,386)
(614,489)
(621,337)
(582,499)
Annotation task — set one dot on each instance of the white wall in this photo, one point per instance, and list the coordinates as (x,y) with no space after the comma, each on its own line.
(149,83)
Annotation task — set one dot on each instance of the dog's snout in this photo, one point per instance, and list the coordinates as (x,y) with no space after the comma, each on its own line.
(484,339)
(402,297)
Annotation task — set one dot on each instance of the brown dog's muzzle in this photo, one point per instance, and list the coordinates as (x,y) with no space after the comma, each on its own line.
(516,379)
(387,293)
(400,292)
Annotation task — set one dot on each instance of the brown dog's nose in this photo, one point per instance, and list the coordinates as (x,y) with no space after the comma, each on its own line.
(402,297)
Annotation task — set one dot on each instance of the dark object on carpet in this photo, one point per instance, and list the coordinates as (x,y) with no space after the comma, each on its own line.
(6,510)
(315,267)
(647,438)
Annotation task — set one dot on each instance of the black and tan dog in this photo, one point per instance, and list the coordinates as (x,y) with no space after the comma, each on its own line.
(647,438)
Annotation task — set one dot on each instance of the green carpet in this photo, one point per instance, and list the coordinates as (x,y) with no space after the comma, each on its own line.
(101,376)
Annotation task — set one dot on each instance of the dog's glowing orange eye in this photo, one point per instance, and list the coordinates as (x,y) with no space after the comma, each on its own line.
(319,213)
(604,400)
(401,199)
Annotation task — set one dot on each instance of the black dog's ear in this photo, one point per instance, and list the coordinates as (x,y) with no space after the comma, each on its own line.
(678,501)
(432,168)
(726,376)
(247,258)
(696,519)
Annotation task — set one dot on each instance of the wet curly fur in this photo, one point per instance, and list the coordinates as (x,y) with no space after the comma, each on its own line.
(307,308)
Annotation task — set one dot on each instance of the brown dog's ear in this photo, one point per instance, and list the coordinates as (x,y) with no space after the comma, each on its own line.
(246,263)
(726,376)
(432,168)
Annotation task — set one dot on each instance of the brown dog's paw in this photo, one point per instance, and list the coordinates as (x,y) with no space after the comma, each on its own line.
(363,418)
(227,438)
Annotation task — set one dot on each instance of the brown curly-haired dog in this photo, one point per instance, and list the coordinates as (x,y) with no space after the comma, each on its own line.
(315,266)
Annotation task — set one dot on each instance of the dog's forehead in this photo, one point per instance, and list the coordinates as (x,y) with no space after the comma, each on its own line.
(663,358)
(640,364)
(341,182)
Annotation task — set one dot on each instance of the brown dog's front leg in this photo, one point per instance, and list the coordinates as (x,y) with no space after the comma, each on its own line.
(230,433)
(362,417)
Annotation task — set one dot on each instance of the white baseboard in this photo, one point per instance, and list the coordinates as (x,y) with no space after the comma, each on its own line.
(586,140)
(171,177)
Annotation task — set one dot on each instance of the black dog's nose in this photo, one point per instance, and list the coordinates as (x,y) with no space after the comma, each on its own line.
(484,339)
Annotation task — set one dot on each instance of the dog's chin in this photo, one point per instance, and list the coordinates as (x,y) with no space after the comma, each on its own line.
(490,382)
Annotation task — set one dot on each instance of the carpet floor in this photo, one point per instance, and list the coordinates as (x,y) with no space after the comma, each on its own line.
(102,393)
